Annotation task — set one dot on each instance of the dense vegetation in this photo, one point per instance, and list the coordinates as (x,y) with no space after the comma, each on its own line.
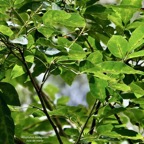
(70,38)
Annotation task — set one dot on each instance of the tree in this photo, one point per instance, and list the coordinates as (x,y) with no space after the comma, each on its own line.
(105,42)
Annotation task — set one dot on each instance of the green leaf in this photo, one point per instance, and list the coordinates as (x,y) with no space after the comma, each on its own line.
(116,19)
(30,41)
(135,3)
(6,123)
(63,100)
(137,89)
(68,76)
(9,94)
(95,57)
(17,71)
(97,88)
(47,31)
(137,38)
(120,86)
(75,21)
(128,134)
(135,115)
(5,3)
(6,30)
(136,54)
(114,67)
(102,129)
(51,90)
(55,17)
(118,46)
(28,58)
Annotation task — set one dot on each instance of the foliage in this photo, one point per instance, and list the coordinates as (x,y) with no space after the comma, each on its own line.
(105,42)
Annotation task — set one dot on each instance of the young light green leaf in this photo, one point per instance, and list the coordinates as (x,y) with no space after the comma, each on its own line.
(137,38)
(118,46)
(136,54)
(6,30)
(9,94)
(29,58)
(17,71)
(6,123)
(120,86)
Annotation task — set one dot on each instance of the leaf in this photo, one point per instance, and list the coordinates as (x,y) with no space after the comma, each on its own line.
(6,123)
(114,67)
(137,38)
(51,90)
(17,71)
(5,3)
(116,19)
(120,86)
(102,129)
(118,46)
(136,54)
(75,21)
(97,88)
(128,134)
(28,58)
(63,100)
(6,30)
(47,31)
(9,94)
(95,57)
(30,39)
(135,115)
(55,17)
(137,89)
(135,3)
(68,76)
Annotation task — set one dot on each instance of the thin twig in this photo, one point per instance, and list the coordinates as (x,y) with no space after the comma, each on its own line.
(77,37)
(91,48)
(89,116)
(94,119)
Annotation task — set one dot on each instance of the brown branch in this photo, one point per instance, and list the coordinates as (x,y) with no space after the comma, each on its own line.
(35,85)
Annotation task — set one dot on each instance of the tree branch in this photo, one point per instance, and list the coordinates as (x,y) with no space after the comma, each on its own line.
(94,119)
(81,132)
(40,97)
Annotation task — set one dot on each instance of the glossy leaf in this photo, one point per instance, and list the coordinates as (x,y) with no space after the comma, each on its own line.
(6,30)
(118,46)
(9,94)
(6,123)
